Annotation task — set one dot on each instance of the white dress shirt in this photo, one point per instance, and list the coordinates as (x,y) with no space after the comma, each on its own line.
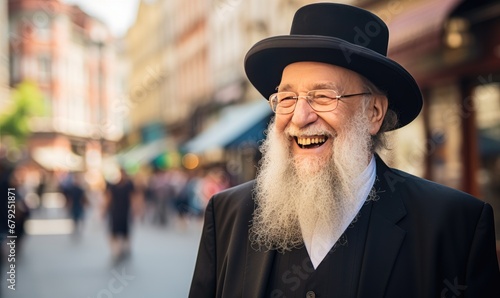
(318,245)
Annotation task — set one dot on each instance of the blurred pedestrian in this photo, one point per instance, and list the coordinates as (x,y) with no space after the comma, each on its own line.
(176,181)
(41,188)
(118,207)
(159,192)
(190,201)
(76,200)
(214,181)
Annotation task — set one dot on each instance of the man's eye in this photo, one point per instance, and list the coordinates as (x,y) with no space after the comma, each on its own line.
(323,95)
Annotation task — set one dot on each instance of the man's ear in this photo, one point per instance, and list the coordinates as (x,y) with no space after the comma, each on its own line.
(377,111)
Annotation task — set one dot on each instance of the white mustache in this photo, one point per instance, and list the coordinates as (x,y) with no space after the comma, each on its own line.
(293,131)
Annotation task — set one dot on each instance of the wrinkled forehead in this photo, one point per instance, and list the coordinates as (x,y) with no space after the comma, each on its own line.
(308,75)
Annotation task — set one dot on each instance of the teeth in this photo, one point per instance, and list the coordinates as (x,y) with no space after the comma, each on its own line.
(309,141)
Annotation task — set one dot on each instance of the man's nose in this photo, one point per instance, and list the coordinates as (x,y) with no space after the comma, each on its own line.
(303,113)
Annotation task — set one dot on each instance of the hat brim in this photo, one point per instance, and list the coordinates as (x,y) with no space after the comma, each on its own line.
(265,61)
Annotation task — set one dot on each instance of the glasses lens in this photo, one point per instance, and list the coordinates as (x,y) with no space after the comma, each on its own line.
(285,102)
(323,100)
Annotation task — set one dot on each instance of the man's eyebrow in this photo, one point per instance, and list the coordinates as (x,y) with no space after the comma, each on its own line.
(285,87)
(325,85)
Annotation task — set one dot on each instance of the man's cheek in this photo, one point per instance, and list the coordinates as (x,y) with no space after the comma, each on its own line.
(281,122)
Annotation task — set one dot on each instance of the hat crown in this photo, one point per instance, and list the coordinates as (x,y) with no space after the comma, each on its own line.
(351,24)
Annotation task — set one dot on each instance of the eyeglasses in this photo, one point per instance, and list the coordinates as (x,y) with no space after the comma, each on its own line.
(325,100)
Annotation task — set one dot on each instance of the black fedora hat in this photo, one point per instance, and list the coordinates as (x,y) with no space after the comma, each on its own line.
(341,35)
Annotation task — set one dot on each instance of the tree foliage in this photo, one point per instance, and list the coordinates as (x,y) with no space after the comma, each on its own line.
(27,102)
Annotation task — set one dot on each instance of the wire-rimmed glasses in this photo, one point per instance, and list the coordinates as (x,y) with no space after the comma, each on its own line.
(324,100)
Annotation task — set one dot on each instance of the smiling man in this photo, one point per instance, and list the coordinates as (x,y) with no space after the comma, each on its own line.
(325,217)
(312,161)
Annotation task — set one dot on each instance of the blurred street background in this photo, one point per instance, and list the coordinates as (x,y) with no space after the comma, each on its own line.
(66,265)
(148,99)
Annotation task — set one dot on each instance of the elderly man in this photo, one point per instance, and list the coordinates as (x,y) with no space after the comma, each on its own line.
(325,216)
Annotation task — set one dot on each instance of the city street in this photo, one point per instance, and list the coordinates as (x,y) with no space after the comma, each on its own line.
(65,266)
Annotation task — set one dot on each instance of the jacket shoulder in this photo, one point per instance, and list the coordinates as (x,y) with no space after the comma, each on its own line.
(397,182)
(234,204)
(236,195)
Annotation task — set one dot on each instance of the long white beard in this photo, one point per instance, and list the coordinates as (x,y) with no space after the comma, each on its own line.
(299,197)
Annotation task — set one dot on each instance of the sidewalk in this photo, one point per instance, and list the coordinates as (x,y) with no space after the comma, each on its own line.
(63,266)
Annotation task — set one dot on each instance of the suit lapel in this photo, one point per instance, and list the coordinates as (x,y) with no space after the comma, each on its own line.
(384,237)
(257,269)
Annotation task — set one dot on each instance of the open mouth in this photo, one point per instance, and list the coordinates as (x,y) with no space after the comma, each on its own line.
(310,142)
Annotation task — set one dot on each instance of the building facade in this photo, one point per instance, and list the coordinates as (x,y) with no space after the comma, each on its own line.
(167,48)
(71,57)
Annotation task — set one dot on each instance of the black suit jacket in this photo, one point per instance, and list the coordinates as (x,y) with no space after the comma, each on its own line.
(423,240)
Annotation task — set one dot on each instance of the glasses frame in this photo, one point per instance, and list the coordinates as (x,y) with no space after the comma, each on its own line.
(273,99)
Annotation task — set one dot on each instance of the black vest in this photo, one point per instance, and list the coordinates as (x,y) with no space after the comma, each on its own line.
(293,274)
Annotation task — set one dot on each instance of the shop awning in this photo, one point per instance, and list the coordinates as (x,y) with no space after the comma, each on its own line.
(236,124)
(143,153)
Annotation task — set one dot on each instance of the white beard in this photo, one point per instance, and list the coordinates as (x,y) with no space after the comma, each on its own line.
(299,197)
